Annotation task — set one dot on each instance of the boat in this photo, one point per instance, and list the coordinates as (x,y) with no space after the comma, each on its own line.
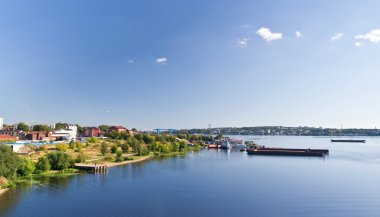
(348,140)
(288,152)
(239,146)
(212,146)
(225,145)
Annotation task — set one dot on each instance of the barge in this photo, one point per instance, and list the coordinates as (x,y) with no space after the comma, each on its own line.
(288,152)
(348,140)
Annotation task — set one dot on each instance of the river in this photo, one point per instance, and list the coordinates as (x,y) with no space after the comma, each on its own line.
(217,183)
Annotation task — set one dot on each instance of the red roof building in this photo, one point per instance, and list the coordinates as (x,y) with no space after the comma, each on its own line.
(118,129)
(92,132)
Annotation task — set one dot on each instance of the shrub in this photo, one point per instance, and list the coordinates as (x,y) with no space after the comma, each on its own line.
(42,165)
(119,156)
(27,168)
(9,162)
(114,149)
(62,147)
(43,148)
(92,140)
(124,147)
(104,149)
(3,182)
(81,158)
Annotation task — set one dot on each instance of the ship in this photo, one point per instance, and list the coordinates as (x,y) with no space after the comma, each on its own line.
(348,140)
(289,152)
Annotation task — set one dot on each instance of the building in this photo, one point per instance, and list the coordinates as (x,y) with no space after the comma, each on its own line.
(36,135)
(70,133)
(92,132)
(118,129)
(1,123)
(15,133)
(21,149)
(7,138)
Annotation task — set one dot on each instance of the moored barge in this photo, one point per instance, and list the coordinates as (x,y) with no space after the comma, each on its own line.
(289,152)
(348,140)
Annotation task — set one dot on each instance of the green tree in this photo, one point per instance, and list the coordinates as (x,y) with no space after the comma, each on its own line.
(81,158)
(26,168)
(59,160)
(42,165)
(22,126)
(9,162)
(114,149)
(103,128)
(104,149)
(59,126)
(40,127)
(124,147)
(119,156)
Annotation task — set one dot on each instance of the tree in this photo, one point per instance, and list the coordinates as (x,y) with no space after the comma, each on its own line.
(59,160)
(103,128)
(104,149)
(42,165)
(40,127)
(119,156)
(22,126)
(59,126)
(124,147)
(9,162)
(26,168)
(62,147)
(114,149)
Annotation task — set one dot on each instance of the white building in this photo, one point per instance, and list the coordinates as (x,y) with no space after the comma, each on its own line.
(1,123)
(70,133)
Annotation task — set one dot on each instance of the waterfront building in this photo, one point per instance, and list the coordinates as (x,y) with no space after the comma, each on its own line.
(118,129)
(92,132)
(70,133)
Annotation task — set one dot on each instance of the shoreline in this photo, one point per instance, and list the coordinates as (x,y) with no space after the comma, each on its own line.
(113,164)
(2,191)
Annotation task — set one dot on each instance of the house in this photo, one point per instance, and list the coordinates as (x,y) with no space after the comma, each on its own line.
(118,129)
(70,133)
(92,132)
(7,138)
(14,133)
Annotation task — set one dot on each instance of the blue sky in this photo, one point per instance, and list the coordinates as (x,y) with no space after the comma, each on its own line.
(185,64)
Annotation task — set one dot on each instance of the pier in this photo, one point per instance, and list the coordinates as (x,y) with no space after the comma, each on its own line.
(92,167)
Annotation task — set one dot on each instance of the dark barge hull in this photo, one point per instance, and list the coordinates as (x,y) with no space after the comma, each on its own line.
(289,152)
(348,140)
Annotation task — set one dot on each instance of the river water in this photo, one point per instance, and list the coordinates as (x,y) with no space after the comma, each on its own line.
(218,183)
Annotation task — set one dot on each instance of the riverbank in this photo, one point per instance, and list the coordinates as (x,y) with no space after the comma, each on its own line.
(113,164)
(2,191)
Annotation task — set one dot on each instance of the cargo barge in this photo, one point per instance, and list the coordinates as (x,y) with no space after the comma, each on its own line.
(289,152)
(348,140)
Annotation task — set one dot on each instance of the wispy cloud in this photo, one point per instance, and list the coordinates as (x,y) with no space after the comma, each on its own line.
(161,60)
(267,35)
(358,44)
(372,36)
(337,36)
(298,34)
(242,42)
(130,61)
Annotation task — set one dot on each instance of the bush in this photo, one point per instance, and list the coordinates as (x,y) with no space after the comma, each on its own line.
(124,147)
(81,158)
(42,165)
(119,156)
(62,147)
(108,157)
(43,148)
(59,160)
(27,168)
(114,149)
(3,182)
(92,140)
(104,149)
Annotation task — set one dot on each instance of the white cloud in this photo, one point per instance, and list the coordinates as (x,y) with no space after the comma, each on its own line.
(130,61)
(161,60)
(298,34)
(242,42)
(267,35)
(337,36)
(358,44)
(372,36)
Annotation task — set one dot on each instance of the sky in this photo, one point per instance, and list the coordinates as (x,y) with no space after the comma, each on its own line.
(189,63)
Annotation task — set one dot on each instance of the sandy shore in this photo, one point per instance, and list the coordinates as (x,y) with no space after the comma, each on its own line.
(113,164)
(2,191)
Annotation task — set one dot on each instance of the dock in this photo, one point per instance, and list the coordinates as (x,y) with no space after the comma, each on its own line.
(92,167)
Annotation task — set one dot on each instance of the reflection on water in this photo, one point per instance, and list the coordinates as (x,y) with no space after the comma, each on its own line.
(217,183)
